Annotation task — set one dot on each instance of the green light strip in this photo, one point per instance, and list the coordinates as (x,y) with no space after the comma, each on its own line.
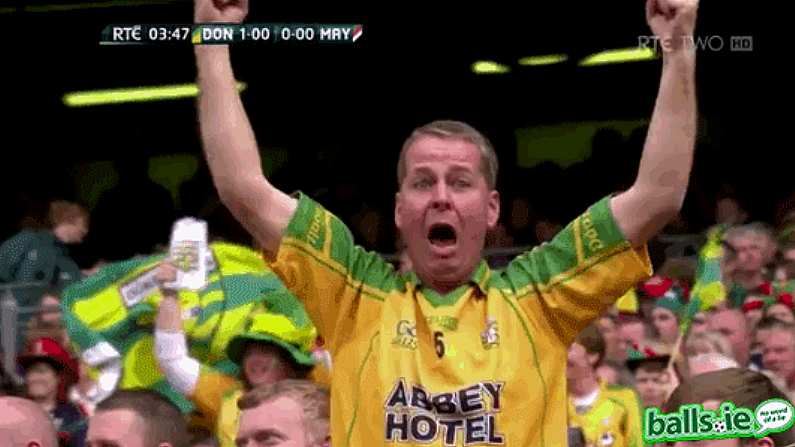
(135,94)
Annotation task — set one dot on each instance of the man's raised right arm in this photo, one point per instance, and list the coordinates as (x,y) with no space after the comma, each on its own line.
(230,146)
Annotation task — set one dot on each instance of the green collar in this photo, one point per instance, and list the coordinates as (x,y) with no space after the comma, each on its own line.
(479,278)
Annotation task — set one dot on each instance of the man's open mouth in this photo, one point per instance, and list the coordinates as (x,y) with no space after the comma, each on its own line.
(442,235)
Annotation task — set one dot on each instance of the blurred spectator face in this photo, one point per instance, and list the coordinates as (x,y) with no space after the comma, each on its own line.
(714,405)
(579,363)
(116,428)
(652,386)
(778,352)
(781,312)
(666,324)
(278,423)
(789,254)
(72,231)
(264,364)
(731,323)
(610,334)
(444,208)
(546,230)
(729,211)
(751,253)
(608,374)
(41,381)
(632,333)
(699,323)
(51,310)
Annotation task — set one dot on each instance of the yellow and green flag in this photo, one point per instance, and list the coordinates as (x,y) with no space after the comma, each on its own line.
(110,315)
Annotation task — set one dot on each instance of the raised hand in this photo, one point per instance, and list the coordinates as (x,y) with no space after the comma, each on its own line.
(166,273)
(673,22)
(220,11)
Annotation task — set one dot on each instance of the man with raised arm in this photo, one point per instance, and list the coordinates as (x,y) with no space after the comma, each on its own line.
(453,353)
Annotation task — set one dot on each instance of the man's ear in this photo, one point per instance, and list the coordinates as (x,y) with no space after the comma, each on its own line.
(494,210)
(398,216)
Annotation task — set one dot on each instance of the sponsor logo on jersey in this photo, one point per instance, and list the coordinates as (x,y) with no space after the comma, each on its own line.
(590,233)
(491,336)
(443,321)
(406,335)
(463,417)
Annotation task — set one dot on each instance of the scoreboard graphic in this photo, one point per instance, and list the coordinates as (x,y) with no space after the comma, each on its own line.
(225,34)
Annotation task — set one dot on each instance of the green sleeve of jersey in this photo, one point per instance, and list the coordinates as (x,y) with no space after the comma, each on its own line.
(580,273)
(320,264)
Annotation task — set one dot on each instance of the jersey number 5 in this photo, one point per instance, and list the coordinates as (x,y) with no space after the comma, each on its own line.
(437,338)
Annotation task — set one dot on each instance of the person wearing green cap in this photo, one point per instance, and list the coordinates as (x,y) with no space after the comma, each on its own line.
(666,314)
(275,347)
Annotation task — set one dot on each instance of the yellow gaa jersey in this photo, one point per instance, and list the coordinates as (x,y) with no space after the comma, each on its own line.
(482,365)
(613,420)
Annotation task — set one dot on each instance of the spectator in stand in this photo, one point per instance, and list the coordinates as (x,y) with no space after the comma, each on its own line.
(137,418)
(610,330)
(48,322)
(615,373)
(732,324)
(754,248)
(648,365)
(666,314)
(49,371)
(43,256)
(25,424)
(633,332)
(708,342)
(275,347)
(787,251)
(606,414)
(776,340)
(291,412)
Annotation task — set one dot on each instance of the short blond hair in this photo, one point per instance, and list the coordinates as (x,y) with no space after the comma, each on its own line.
(713,341)
(311,397)
(454,130)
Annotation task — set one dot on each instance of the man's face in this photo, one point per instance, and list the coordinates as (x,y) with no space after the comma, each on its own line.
(732,324)
(789,255)
(263,364)
(444,209)
(278,423)
(652,386)
(699,323)
(632,333)
(666,324)
(778,352)
(751,251)
(41,381)
(579,363)
(74,231)
(116,428)
(609,331)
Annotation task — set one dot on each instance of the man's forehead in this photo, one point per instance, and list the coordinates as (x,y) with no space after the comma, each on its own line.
(429,149)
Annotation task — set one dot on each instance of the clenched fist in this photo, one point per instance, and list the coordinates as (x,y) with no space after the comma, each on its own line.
(673,22)
(166,273)
(220,11)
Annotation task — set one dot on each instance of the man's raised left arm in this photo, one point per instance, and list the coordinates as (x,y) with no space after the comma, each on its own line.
(659,190)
